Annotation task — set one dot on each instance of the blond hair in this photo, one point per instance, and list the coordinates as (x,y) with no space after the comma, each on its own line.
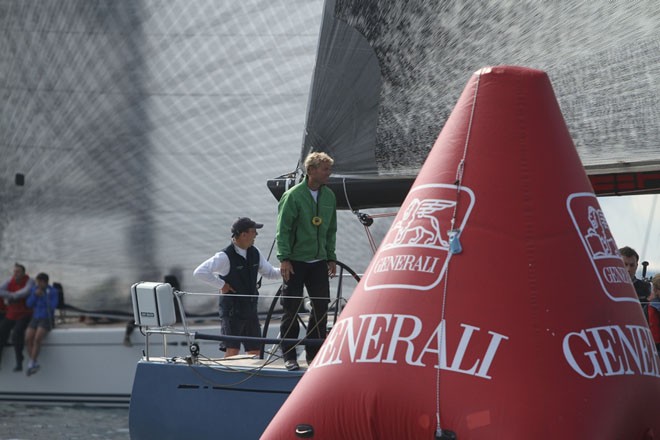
(656,281)
(315,159)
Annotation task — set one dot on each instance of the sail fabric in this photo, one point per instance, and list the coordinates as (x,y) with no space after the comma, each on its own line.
(547,340)
(344,100)
(603,58)
(139,130)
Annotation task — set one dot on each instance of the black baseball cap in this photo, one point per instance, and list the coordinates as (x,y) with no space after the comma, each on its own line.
(242,224)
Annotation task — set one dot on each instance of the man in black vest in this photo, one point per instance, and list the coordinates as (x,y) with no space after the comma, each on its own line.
(642,287)
(234,271)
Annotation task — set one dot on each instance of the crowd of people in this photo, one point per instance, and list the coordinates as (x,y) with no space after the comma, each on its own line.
(27,314)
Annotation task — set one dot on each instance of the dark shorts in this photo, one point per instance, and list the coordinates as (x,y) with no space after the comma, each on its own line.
(40,322)
(244,324)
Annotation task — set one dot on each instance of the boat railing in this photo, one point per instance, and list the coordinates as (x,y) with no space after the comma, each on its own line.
(154,312)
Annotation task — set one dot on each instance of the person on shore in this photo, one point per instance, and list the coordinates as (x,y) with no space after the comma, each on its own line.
(306,236)
(234,271)
(13,292)
(43,301)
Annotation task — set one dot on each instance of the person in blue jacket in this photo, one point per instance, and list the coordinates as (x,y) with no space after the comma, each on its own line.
(43,300)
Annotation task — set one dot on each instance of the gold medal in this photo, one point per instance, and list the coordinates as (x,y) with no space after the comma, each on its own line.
(316,221)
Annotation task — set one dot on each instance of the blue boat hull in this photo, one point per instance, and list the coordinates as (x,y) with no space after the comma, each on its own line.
(174,400)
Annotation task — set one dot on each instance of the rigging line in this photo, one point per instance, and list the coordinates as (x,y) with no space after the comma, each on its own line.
(460,169)
(370,238)
(286,188)
(459,178)
(440,338)
(270,253)
(348,202)
(293,348)
(299,174)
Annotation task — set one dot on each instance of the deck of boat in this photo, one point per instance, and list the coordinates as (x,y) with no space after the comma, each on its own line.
(240,362)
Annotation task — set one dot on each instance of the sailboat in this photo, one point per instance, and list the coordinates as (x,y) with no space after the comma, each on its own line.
(119,124)
(387,75)
(373,109)
(116,116)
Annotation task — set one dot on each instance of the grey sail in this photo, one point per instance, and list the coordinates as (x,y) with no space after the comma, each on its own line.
(133,132)
(603,59)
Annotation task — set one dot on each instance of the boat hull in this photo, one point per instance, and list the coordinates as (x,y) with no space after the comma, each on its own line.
(78,366)
(230,400)
(85,365)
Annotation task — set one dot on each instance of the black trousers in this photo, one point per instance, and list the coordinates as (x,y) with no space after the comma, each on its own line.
(313,277)
(18,336)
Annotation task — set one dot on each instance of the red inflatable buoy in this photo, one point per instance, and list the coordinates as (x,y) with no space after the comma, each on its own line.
(497,306)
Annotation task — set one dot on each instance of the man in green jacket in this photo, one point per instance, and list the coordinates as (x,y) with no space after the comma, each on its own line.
(306,235)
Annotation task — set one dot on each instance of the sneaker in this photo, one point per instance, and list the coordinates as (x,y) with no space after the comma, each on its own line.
(127,342)
(18,368)
(291,365)
(33,370)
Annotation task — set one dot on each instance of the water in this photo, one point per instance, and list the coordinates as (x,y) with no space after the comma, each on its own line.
(29,422)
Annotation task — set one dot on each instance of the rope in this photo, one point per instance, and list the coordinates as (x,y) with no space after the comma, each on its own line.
(460,170)
(348,202)
(370,238)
